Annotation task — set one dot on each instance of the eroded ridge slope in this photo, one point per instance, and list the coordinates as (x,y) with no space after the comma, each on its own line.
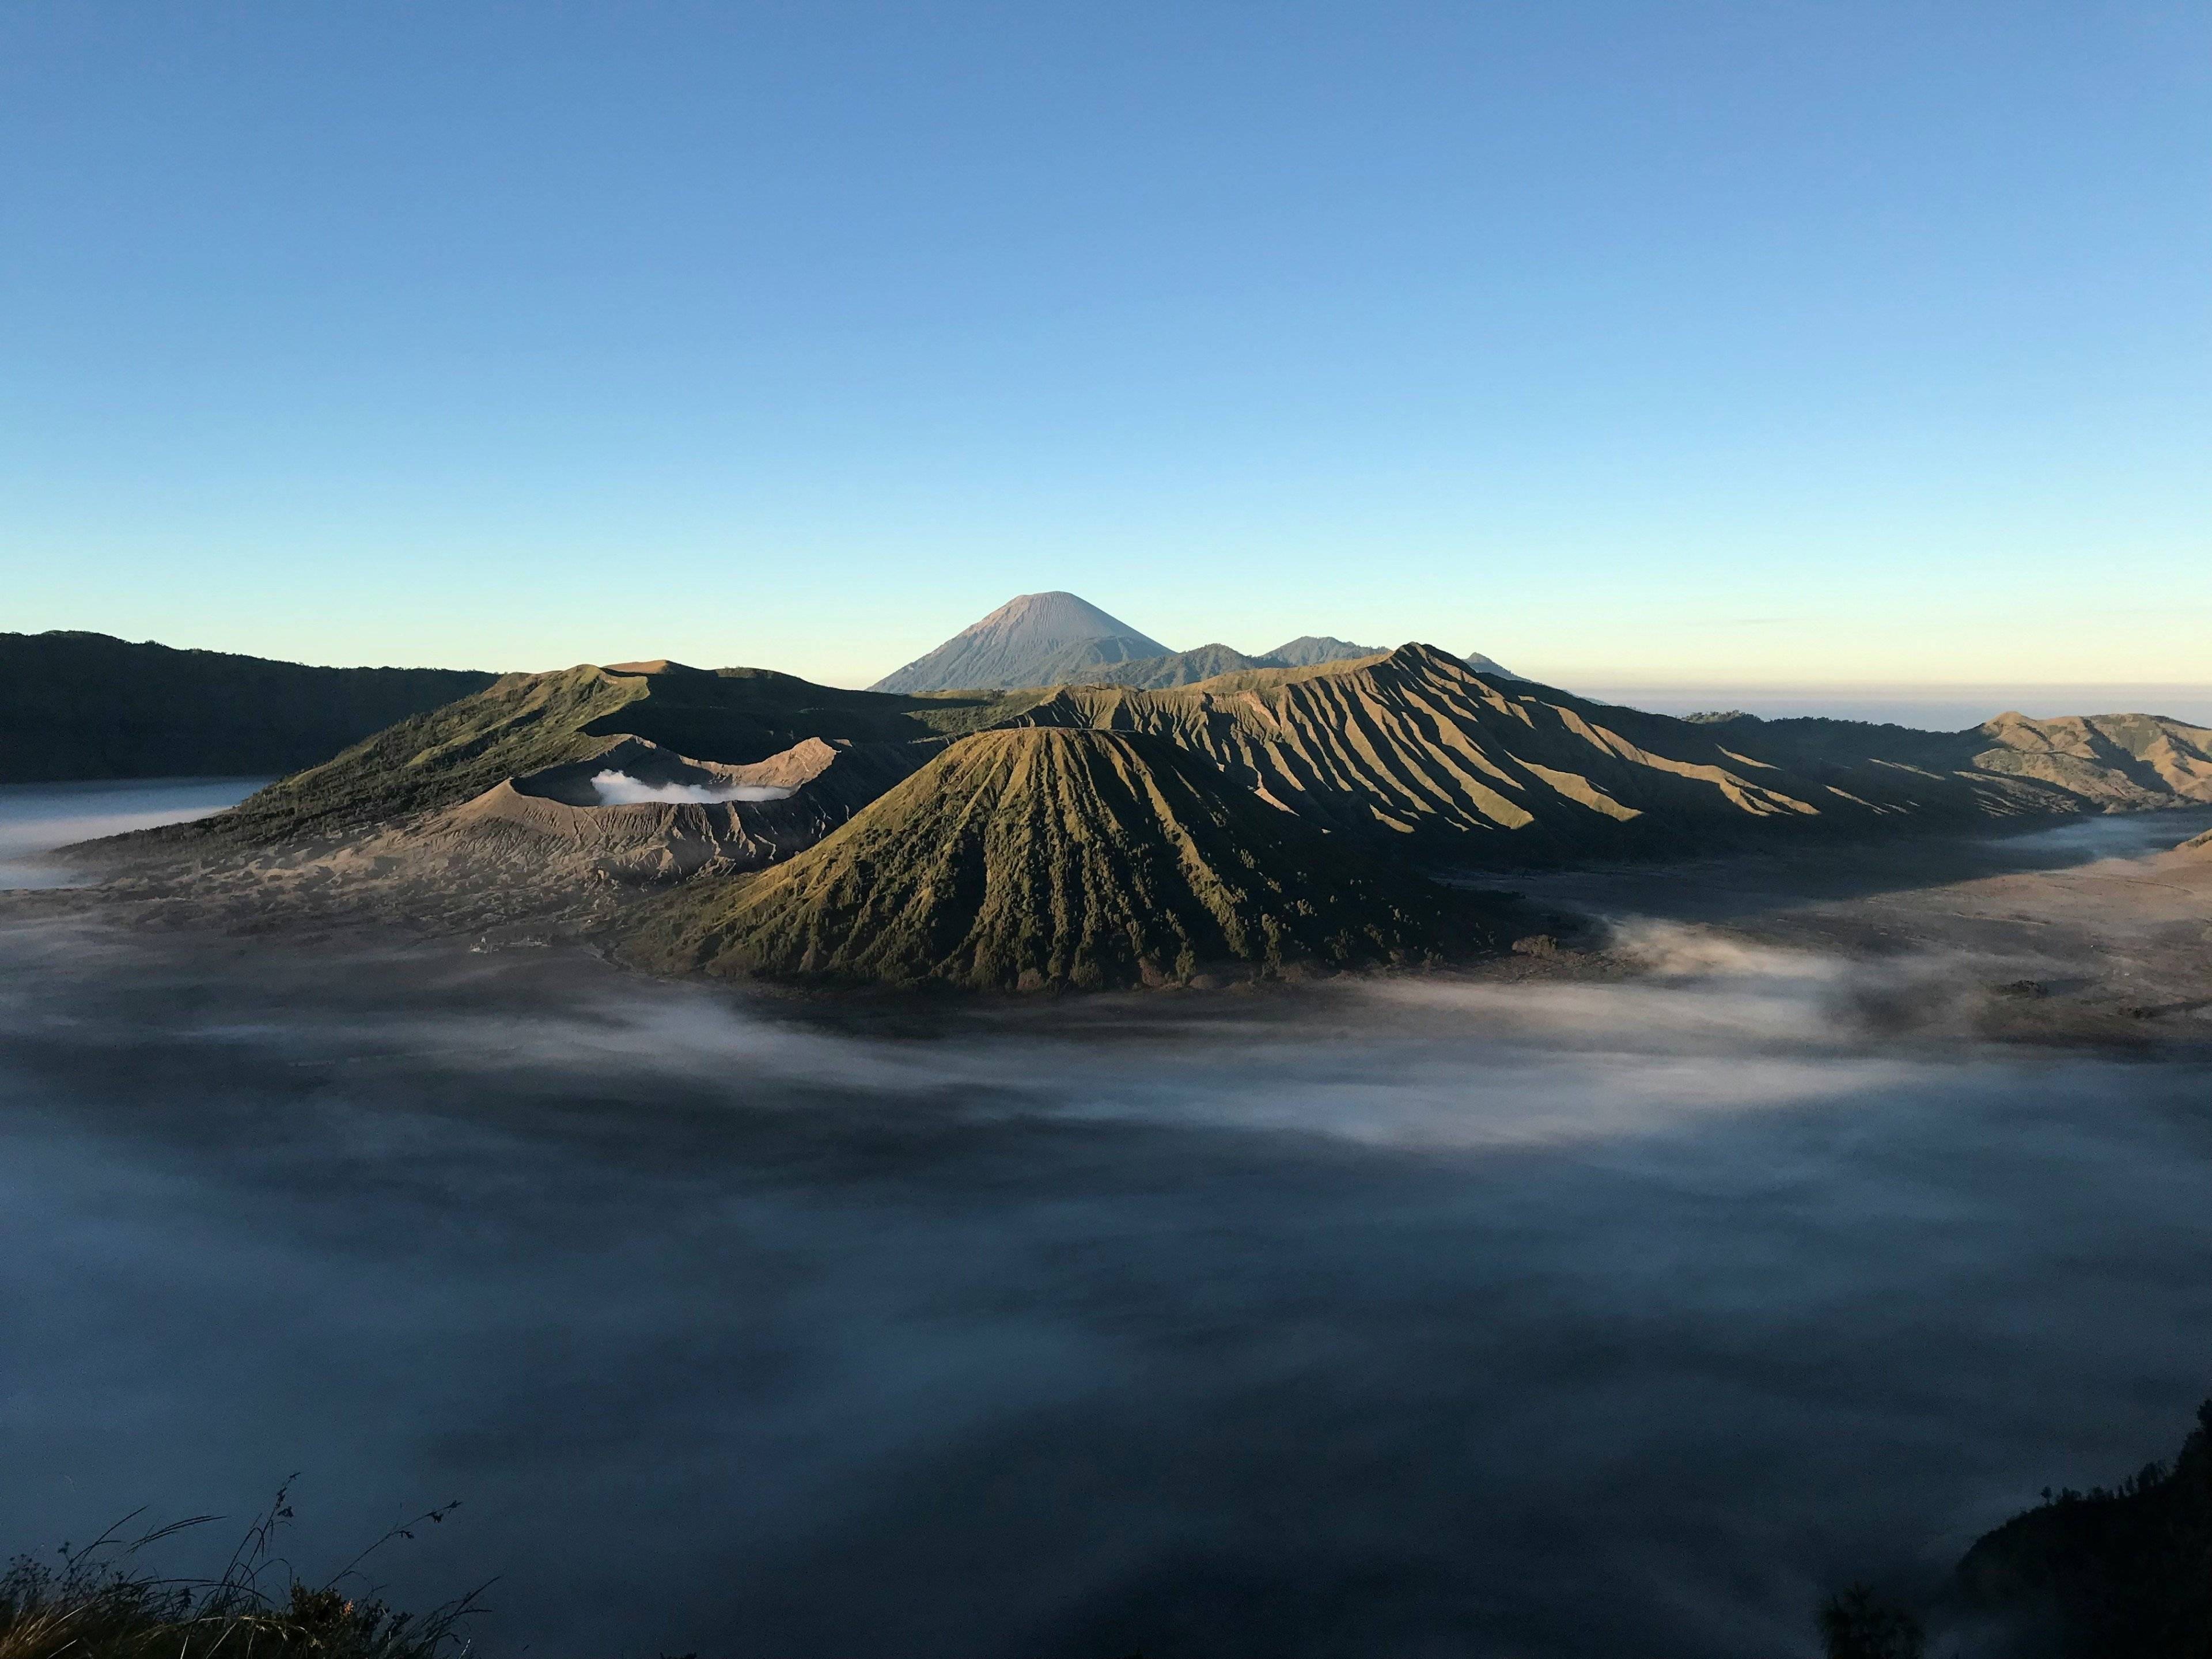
(1486,768)
(1416,743)
(1032,858)
(2121,762)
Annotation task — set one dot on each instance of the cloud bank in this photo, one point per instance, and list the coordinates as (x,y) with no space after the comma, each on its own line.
(1420,1316)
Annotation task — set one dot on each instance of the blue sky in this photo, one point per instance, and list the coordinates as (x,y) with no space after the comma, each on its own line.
(1633,345)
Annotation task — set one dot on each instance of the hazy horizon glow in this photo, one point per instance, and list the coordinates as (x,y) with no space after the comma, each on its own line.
(1633,346)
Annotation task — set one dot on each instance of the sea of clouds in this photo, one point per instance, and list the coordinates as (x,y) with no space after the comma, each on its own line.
(1424,1316)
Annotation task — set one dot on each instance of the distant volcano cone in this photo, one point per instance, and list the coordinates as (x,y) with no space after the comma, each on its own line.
(1035,858)
(1039,639)
(1490,665)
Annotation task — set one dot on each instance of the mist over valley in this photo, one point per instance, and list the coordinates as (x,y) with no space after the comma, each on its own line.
(1634,1296)
(1419,1313)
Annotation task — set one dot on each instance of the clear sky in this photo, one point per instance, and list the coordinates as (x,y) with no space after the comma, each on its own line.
(1631,343)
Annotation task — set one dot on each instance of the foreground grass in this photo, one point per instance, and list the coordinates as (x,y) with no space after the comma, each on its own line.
(96,1602)
(2115,1573)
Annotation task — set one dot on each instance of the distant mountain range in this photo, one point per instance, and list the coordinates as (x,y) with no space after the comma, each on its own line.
(1267,821)
(76,705)
(1058,639)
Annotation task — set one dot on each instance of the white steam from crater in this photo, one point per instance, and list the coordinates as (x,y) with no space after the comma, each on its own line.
(620,789)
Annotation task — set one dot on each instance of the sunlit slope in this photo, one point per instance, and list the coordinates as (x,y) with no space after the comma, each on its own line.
(1486,768)
(1034,857)
(2122,761)
(526,722)
(2010,764)
(1415,743)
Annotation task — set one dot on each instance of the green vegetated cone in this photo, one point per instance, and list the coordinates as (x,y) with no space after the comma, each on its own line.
(1043,858)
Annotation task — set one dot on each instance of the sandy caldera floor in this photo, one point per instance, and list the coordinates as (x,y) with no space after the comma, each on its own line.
(2098,930)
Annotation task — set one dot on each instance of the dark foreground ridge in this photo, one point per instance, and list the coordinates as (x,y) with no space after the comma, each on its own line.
(1035,858)
(2121,1572)
(76,705)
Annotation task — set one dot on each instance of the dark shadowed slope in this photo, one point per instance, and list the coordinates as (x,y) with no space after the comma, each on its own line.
(76,705)
(1029,859)
(526,723)
(1038,639)
(1484,771)
(2115,1573)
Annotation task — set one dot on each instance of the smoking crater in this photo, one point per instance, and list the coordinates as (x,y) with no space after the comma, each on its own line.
(620,789)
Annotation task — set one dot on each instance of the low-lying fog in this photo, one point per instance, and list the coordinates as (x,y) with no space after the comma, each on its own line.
(1429,1318)
(35,819)
(1417,1318)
